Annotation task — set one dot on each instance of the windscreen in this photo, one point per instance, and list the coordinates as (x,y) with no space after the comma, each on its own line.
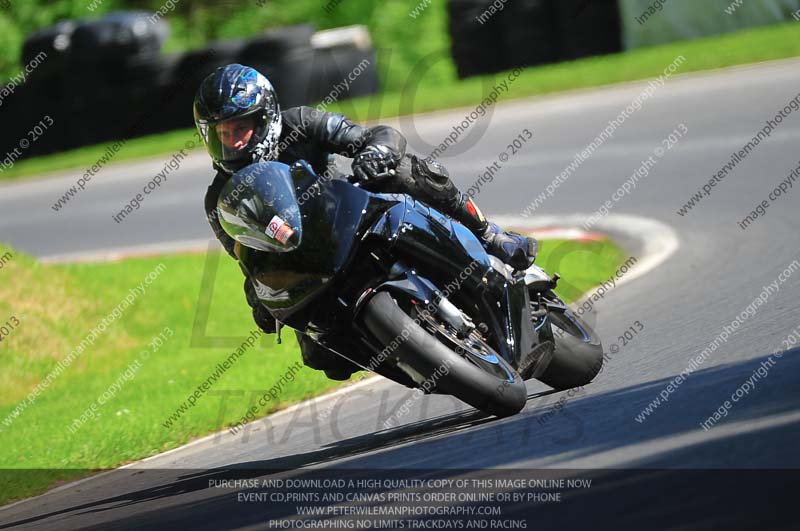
(258,208)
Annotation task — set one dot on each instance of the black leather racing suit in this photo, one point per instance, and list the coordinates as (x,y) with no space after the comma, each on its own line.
(313,135)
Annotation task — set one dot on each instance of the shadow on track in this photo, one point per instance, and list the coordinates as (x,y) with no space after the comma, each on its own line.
(193,480)
(183,499)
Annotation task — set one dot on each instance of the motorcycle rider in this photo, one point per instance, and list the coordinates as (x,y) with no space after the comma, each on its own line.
(237,114)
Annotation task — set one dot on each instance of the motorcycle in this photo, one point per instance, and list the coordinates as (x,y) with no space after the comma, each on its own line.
(399,289)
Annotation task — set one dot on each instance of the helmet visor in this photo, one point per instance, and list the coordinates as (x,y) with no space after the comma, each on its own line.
(229,140)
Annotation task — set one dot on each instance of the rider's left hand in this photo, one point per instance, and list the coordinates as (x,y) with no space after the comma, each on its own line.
(374,163)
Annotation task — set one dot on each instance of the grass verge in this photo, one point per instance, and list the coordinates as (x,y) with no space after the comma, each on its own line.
(743,47)
(57,306)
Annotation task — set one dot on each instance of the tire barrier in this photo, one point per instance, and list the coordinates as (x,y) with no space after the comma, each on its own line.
(589,27)
(117,37)
(55,42)
(105,79)
(493,36)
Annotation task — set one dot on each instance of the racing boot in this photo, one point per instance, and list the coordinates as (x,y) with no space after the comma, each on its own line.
(514,249)
(320,358)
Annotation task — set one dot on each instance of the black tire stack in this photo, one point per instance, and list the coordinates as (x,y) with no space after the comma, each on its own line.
(476,48)
(589,27)
(42,94)
(303,73)
(55,41)
(529,32)
(286,57)
(332,66)
(113,59)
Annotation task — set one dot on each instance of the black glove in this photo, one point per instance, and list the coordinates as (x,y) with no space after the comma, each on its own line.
(264,319)
(374,163)
(261,315)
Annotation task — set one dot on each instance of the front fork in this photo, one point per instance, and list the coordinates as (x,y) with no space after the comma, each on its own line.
(405,280)
(505,308)
(538,284)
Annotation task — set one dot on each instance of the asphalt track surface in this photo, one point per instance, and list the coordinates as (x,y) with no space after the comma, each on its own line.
(683,305)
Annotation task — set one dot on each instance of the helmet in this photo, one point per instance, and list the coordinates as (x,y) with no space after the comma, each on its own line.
(238,117)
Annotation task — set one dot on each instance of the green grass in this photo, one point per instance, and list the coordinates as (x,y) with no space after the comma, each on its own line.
(743,47)
(57,305)
(582,265)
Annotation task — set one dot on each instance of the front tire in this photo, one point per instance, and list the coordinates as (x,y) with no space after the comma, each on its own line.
(501,392)
(578,353)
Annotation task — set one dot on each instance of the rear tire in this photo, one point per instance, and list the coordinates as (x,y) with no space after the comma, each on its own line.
(427,355)
(578,354)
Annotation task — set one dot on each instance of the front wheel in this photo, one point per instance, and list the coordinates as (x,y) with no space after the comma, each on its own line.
(578,353)
(434,356)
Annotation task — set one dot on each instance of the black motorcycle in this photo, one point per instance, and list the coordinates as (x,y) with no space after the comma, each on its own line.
(399,289)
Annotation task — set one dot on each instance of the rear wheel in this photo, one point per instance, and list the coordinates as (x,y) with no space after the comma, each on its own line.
(434,356)
(578,354)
